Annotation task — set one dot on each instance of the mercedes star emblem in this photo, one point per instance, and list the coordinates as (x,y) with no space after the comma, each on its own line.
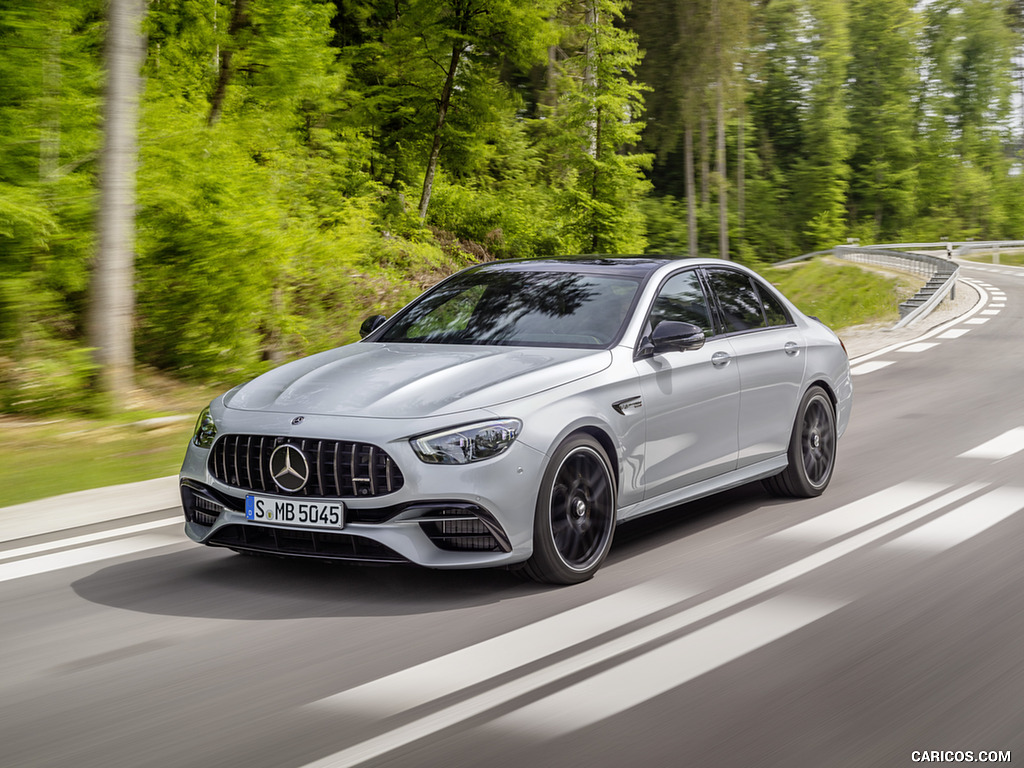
(289,468)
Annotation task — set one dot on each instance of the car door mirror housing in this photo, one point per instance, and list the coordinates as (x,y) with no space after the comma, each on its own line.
(371,324)
(675,336)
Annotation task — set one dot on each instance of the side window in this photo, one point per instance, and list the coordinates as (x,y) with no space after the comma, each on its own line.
(741,307)
(773,309)
(682,299)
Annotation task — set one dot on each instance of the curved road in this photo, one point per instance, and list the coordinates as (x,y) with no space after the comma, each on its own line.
(862,628)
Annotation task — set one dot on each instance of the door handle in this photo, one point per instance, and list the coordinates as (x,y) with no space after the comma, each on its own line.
(791,348)
(720,359)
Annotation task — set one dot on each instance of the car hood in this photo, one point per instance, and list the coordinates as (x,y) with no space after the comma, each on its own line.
(413,380)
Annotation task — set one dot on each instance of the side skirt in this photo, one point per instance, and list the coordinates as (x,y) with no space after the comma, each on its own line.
(737,477)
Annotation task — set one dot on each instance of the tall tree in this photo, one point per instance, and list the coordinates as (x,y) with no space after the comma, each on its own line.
(113,292)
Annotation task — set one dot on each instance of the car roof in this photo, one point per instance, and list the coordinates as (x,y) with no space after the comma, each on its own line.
(632,266)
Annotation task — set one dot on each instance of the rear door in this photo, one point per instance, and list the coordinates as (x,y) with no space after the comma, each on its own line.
(770,356)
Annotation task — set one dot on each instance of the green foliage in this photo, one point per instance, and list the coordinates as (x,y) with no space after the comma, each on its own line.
(283,153)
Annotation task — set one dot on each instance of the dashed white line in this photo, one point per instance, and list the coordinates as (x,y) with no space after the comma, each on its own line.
(863,512)
(963,523)
(87,538)
(460,669)
(874,365)
(664,668)
(954,333)
(57,560)
(923,346)
(976,321)
(998,448)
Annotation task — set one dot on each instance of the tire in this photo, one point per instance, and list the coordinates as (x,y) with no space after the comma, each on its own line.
(575,516)
(812,449)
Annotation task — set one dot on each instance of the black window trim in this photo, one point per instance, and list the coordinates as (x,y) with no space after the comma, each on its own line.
(755,283)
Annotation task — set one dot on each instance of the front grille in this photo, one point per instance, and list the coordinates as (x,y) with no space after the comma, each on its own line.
(319,544)
(337,468)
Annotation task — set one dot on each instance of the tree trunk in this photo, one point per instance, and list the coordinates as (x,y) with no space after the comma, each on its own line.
(49,132)
(741,174)
(723,194)
(691,193)
(442,114)
(112,300)
(705,161)
(590,75)
(239,20)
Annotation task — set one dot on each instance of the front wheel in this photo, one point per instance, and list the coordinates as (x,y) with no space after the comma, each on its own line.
(812,449)
(575,515)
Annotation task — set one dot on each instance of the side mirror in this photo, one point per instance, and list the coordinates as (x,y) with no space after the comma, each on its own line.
(672,336)
(371,324)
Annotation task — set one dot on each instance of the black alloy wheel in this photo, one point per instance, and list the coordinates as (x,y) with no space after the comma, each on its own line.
(812,449)
(575,516)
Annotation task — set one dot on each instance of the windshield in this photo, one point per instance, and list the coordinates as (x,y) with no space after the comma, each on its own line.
(560,309)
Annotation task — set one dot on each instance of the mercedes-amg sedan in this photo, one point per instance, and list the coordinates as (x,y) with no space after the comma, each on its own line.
(516,412)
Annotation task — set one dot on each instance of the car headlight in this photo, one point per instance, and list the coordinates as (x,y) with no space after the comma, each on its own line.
(464,445)
(206,430)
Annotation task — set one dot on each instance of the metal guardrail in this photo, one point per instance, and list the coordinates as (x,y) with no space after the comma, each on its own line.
(942,275)
(942,272)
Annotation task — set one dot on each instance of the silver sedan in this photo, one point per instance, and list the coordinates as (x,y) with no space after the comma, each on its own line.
(516,412)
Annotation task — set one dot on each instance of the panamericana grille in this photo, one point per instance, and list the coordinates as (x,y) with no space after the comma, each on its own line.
(337,468)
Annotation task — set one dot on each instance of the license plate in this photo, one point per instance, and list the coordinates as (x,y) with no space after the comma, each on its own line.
(311,514)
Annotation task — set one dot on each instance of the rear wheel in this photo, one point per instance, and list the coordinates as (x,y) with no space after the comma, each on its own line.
(812,449)
(575,515)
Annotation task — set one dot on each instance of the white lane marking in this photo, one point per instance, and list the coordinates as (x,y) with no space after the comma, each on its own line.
(861,513)
(875,365)
(502,694)
(955,333)
(990,312)
(923,346)
(976,321)
(664,668)
(87,538)
(998,448)
(83,555)
(460,669)
(961,524)
(997,306)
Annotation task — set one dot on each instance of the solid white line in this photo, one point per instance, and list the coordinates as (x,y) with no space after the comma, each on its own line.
(998,448)
(457,713)
(963,523)
(860,513)
(83,555)
(664,668)
(875,365)
(477,663)
(74,541)
(955,333)
(923,346)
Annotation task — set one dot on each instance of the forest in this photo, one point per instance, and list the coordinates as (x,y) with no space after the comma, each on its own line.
(295,165)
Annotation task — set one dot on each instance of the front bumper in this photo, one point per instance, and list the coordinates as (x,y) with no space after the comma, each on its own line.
(444,516)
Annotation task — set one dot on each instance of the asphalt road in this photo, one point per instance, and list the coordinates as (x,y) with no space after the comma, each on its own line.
(879,621)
